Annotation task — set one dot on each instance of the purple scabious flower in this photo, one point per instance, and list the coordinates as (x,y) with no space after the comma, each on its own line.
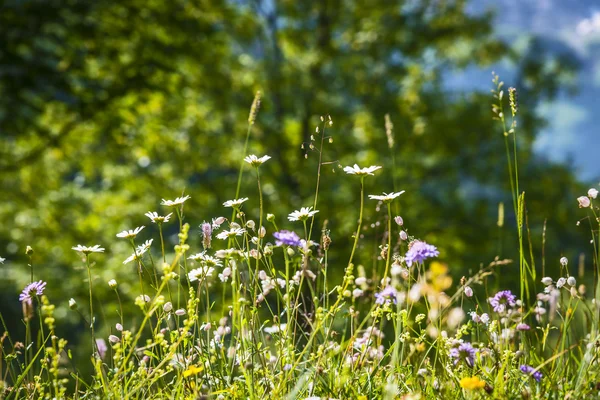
(503,299)
(529,370)
(287,237)
(33,289)
(420,251)
(464,352)
(387,295)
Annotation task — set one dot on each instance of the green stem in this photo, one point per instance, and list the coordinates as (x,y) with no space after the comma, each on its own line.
(360,217)
(87,261)
(389,248)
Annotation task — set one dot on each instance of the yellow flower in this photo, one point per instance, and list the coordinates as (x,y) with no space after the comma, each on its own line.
(472,383)
(192,370)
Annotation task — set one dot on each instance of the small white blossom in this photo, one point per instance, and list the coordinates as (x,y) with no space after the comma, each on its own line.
(112,283)
(564,261)
(485,319)
(571,281)
(235,203)
(468,291)
(584,201)
(592,193)
(72,304)
(145,246)
(206,259)
(82,249)
(224,276)
(180,312)
(302,215)
(172,203)
(386,198)
(547,281)
(231,233)
(256,161)
(356,170)
(200,273)
(2,260)
(130,234)
(275,328)
(139,252)
(155,218)
(561,282)
(113,339)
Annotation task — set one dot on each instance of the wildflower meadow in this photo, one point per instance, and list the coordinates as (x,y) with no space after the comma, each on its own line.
(248,304)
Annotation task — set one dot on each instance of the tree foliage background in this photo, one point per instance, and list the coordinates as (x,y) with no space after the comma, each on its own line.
(107,107)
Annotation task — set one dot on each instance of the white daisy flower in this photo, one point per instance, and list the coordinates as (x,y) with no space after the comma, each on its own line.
(256,161)
(199,274)
(356,170)
(386,197)
(139,252)
(82,249)
(172,203)
(302,215)
(206,259)
(235,203)
(154,217)
(231,233)
(130,234)
(145,246)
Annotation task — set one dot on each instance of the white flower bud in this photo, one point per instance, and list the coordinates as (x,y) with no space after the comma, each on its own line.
(468,291)
(564,261)
(584,201)
(547,281)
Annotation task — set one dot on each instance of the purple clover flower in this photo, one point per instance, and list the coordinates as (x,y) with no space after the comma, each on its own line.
(287,237)
(387,295)
(503,299)
(529,370)
(420,251)
(464,352)
(33,289)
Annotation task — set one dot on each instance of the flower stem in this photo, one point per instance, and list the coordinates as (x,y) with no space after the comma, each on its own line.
(360,217)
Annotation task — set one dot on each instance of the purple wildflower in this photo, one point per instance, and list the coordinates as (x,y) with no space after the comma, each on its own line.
(33,289)
(502,299)
(420,251)
(206,235)
(464,352)
(287,237)
(102,347)
(388,294)
(529,370)
(523,327)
